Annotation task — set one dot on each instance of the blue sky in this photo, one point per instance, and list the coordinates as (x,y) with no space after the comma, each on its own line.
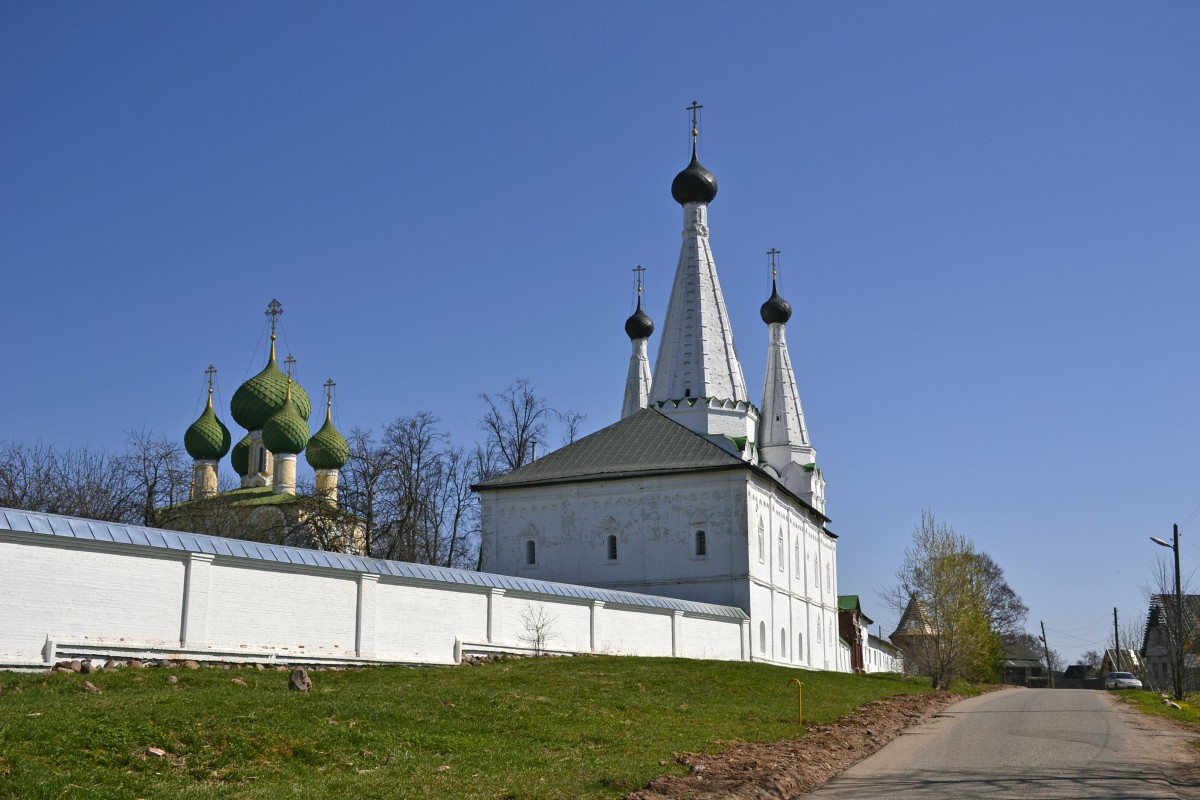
(987,212)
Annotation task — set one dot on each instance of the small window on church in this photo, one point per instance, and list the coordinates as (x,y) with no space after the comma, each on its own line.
(701,544)
(262,459)
(818,631)
(780,560)
(783,642)
(762,544)
(612,547)
(530,552)
(800,646)
(762,637)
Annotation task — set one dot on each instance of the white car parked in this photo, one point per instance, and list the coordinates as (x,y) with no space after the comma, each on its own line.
(1121,680)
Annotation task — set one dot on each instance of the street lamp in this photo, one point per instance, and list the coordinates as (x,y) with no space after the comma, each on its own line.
(1177,654)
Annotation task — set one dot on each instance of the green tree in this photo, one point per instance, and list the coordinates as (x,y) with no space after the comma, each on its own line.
(955,606)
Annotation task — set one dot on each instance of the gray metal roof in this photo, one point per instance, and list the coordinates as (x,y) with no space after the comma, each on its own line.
(95,530)
(647,442)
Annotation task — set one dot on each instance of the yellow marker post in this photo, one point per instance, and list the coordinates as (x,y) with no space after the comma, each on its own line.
(799,700)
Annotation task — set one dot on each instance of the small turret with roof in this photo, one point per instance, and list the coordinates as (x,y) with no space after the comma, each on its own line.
(638,327)
(698,379)
(783,443)
(328,451)
(206,441)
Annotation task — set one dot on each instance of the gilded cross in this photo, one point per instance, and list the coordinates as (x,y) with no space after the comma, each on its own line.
(773,253)
(694,107)
(210,372)
(274,310)
(291,362)
(639,269)
(329,384)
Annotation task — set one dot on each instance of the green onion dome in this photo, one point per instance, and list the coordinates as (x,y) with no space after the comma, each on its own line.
(286,431)
(207,438)
(240,457)
(259,398)
(327,449)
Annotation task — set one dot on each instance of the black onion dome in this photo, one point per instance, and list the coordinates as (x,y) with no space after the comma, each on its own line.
(695,184)
(776,309)
(639,325)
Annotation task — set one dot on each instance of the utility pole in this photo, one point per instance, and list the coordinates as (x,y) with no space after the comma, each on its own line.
(1046,647)
(1116,642)
(1176,654)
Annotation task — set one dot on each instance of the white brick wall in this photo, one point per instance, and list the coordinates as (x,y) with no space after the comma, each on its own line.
(57,591)
(104,597)
(251,604)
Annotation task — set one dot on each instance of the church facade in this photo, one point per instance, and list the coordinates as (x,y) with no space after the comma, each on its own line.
(695,493)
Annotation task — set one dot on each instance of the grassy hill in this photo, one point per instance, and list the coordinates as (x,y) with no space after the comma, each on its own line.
(594,727)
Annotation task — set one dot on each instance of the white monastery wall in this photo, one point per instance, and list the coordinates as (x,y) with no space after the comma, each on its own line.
(625,632)
(67,596)
(703,638)
(419,623)
(85,592)
(281,609)
(565,625)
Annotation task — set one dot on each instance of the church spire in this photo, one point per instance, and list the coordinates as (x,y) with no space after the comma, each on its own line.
(638,327)
(697,376)
(783,442)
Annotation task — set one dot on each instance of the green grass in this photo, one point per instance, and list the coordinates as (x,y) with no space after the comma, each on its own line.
(594,727)
(1151,703)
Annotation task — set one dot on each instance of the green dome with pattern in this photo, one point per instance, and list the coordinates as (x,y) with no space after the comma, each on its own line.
(262,396)
(240,457)
(327,449)
(207,438)
(286,431)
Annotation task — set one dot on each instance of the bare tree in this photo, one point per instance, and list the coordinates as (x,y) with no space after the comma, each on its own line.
(571,421)
(363,485)
(156,472)
(29,476)
(514,420)
(538,627)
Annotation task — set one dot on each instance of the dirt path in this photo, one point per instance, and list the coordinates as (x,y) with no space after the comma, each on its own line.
(758,771)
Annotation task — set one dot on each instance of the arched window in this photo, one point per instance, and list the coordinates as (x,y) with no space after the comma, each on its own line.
(762,637)
(612,547)
(817,572)
(762,543)
(828,574)
(701,544)
(818,631)
(796,554)
(262,459)
(530,552)
(780,559)
(800,646)
(783,643)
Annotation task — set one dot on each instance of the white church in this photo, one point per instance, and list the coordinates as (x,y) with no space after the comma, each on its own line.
(694,527)
(695,493)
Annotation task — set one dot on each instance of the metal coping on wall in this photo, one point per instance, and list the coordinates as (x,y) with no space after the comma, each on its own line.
(108,532)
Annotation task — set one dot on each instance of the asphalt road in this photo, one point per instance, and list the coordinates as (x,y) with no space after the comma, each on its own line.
(1029,743)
